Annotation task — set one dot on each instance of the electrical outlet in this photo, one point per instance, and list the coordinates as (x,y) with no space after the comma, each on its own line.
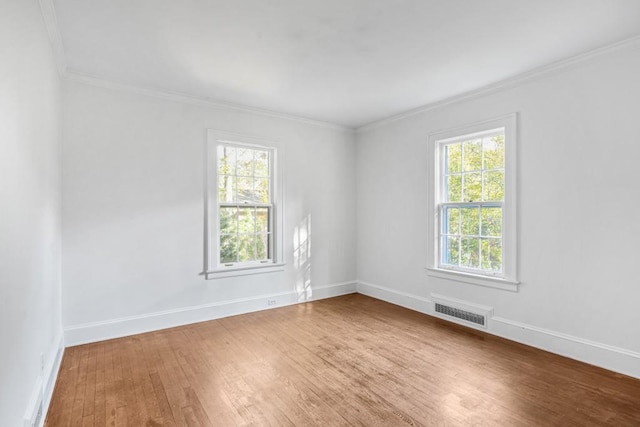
(271,302)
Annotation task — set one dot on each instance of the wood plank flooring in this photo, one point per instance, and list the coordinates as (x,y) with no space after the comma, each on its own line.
(351,360)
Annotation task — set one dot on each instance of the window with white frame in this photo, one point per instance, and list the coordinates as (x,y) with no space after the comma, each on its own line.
(243,206)
(472,215)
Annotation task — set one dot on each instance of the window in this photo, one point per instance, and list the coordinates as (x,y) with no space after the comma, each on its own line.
(243,209)
(472,213)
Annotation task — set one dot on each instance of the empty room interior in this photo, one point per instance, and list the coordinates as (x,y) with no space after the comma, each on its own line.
(294,212)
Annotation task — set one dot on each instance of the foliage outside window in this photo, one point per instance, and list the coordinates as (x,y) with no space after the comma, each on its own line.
(242,208)
(244,203)
(473,202)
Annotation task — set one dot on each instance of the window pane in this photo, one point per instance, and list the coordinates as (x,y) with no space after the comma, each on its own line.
(492,222)
(244,164)
(472,155)
(262,220)
(262,163)
(469,252)
(454,188)
(228,220)
(453,158)
(472,187)
(244,180)
(228,248)
(493,152)
(494,186)
(226,160)
(451,250)
(246,247)
(245,190)
(451,221)
(470,221)
(492,254)
(262,246)
(226,188)
(246,220)
(261,190)
(472,200)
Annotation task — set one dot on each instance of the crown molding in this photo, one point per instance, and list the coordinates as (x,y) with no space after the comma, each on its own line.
(48,12)
(77,76)
(49,16)
(535,74)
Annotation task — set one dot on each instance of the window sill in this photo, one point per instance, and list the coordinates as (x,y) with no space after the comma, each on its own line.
(243,271)
(474,279)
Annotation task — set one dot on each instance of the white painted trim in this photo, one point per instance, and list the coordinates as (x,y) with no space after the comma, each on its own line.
(201,101)
(459,276)
(508,280)
(244,271)
(44,385)
(131,325)
(212,268)
(48,12)
(609,357)
(413,302)
(526,77)
(606,356)
(35,405)
(52,369)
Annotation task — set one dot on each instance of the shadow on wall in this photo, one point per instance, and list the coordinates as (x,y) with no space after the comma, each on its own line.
(302,258)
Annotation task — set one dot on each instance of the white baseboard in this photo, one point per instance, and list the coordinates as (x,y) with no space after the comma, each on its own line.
(413,302)
(52,369)
(605,356)
(609,357)
(42,392)
(116,328)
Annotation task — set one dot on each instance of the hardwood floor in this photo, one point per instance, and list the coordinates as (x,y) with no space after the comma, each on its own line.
(350,360)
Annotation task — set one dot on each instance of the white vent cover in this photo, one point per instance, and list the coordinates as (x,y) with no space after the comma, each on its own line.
(462,312)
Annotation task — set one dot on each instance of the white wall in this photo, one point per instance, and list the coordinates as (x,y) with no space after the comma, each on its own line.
(579,232)
(30,207)
(133,211)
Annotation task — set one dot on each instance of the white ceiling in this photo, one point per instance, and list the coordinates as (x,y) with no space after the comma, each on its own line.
(348,62)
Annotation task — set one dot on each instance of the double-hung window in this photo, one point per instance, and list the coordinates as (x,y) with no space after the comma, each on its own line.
(243,207)
(472,213)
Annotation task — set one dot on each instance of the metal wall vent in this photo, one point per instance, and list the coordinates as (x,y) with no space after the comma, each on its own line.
(467,316)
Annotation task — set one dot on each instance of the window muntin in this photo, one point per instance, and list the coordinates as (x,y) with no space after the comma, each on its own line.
(244,205)
(471,202)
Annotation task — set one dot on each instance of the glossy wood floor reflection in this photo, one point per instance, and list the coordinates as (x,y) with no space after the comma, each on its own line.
(351,360)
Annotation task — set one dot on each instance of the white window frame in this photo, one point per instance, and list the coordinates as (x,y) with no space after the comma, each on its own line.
(507,278)
(213,267)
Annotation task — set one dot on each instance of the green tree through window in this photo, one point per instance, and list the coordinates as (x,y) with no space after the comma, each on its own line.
(472,188)
(244,204)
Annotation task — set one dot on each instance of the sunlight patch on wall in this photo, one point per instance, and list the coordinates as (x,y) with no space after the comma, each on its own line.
(302,258)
